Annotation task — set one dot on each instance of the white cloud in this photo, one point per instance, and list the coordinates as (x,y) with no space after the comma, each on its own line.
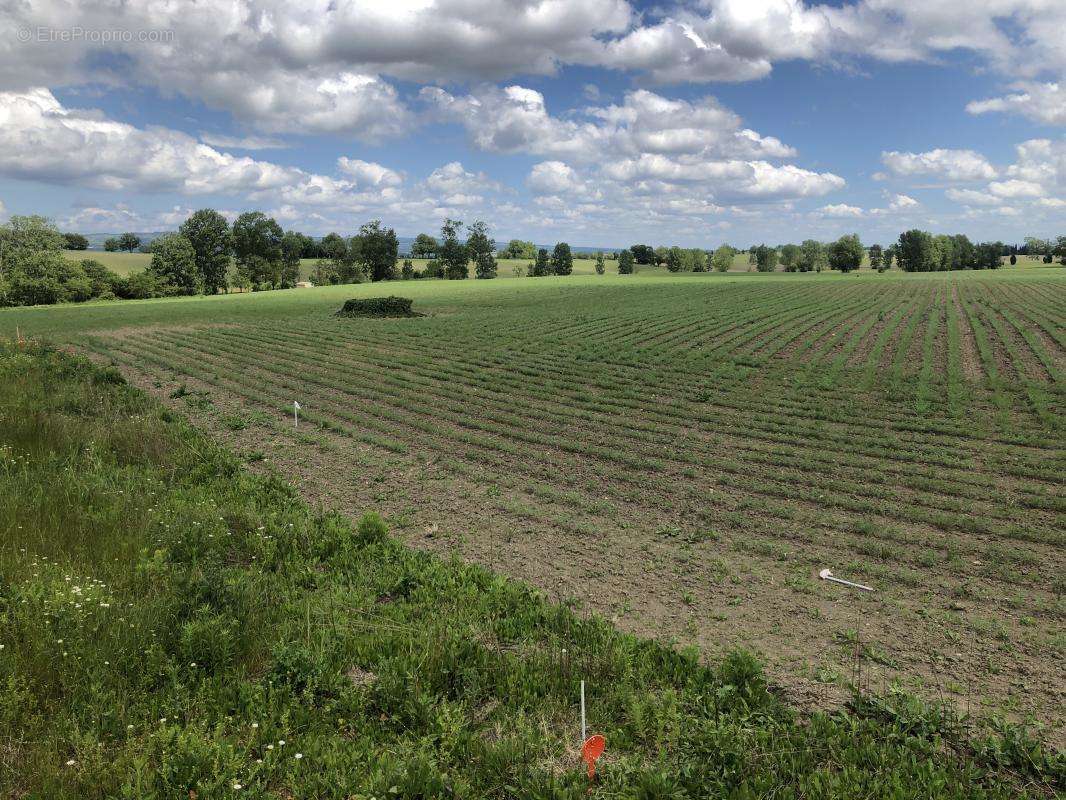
(554,177)
(1041,102)
(327,66)
(42,140)
(952,165)
(38,136)
(454,179)
(242,142)
(902,202)
(840,210)
(971,197)
(1015,188)
(367,173)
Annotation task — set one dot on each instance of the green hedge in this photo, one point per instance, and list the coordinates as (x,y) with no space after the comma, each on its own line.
(390,306)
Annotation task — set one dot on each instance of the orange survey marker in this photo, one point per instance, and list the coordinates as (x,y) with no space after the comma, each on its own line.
(591,750)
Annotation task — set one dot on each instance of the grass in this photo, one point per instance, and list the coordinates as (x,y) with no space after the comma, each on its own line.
(172,625)
(891,427)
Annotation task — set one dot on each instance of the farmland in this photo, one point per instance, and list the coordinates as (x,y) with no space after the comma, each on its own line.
(681,453)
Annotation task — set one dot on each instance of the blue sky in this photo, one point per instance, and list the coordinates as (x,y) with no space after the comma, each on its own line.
(601,123)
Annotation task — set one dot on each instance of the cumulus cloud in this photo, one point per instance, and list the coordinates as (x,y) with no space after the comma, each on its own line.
(1041,102)
(43,140)
(648,143)
(367,173)
(971,197)
(554,177)
(902,202)
(324,66)
(1033,182)
(840,210)
(242,142)
(951,165)
(1015,188)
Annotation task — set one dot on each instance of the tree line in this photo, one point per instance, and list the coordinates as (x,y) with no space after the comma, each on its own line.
(207,255)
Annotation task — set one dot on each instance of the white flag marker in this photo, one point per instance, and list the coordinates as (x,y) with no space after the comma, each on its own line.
(295,414)
(827,575)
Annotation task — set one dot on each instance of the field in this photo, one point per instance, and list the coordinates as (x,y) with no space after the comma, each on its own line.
(174,626)
(680,453)
(125,263)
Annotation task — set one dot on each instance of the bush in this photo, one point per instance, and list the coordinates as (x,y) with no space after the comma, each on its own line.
(391,306)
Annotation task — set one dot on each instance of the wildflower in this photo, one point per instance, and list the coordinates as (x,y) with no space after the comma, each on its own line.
(299,756)
(237,786)
(255,724)
(71,763)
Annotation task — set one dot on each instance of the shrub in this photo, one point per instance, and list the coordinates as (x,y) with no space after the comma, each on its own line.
(390,306)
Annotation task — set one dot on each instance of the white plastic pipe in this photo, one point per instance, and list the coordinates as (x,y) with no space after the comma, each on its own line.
(584,737)
(827,575)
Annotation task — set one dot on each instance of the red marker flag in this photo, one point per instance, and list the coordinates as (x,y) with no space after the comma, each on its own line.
(591,750)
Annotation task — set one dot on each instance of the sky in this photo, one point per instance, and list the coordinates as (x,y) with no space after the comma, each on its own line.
(597,122)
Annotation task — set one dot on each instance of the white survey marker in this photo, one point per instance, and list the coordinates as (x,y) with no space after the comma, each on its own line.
(827,575)
(296,414)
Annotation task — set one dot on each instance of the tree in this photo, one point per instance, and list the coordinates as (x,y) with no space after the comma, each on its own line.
(424,246)
(876,256)
(695,260)
(541,266)
(516,248)
(790,254)
(375,251)
(1060,249)
(599,264)
(1035,248)
(845,254)
(988,255)
(257,246)
(292,246)
(673,260)
(111,245)
(452,253)
(562,262)
(209,234)
(75,241)
(333,246)
(481,249)
(944,253)
(174,263)
(642,253)
(723,258)
(765,258)
(129,242)
(965,256)
(812,256)
(1013,259)
(887,257)
(625,262)
(915,251)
